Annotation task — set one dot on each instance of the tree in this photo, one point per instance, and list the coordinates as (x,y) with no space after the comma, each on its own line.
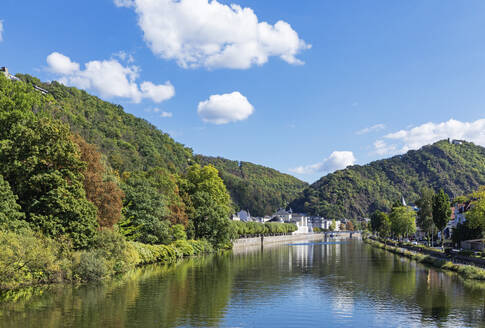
(424,219)
(145,210)
(403,221)
(376,220)
(441,211)
(342,226)
(105,194)
(476,215)
(385,227)
(333,226)
(11,217)
(350,226)
(210,204)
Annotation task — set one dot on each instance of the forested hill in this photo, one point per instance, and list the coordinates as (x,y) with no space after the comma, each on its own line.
(129,143)
(132,144)
(358,190)
(256,188)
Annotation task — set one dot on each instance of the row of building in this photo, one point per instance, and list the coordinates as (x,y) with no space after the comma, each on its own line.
(304,222)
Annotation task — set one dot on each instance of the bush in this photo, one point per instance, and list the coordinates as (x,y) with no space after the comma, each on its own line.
(90,266)
(184,247)
(28,258)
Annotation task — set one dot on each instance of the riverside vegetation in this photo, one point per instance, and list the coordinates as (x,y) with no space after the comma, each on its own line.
(466,271)
(71,210)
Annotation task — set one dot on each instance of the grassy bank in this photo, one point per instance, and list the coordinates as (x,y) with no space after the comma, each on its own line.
(466,271)
(28,258)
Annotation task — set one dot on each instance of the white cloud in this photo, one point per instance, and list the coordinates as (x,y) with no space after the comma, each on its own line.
(60,64)
(1,30)
(222,109)
(214,35)
(166,114)
(109,78)
(336,161)
(375,127)
(416,137)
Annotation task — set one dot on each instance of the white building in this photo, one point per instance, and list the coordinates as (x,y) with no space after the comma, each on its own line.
(301,221)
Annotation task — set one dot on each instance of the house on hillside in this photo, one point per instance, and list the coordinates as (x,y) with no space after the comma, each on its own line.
(4,71)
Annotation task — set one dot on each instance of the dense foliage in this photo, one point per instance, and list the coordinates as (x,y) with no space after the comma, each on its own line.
(129,143)
(255,188)
(358,191)
(42,165)
(251,229)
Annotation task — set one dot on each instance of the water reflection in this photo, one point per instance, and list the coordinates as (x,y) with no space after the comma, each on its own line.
(347,284)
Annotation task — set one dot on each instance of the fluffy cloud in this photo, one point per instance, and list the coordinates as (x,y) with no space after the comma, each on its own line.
(336,161)
(109,78)
(1,30)
(60,64)
(373,128)
(414,138)
(222,109)
(214,35)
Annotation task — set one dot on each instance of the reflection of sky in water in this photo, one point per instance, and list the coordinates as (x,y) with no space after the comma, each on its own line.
(316,285)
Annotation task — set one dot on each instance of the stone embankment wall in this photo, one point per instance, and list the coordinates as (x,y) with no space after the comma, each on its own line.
(268,240)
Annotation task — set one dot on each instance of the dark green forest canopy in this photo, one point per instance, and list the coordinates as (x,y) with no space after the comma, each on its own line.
(358,190)
(132,144)
(256,188)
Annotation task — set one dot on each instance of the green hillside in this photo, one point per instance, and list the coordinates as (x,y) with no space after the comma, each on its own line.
(132,144)
(359,190)
(256,188)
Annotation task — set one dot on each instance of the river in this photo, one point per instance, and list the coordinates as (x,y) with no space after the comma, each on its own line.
(340,284)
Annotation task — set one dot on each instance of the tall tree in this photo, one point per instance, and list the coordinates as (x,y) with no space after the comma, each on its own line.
(145,209)
(441,211)
(403,221)
(105,194)
(424,219)
(211,204)
(476,214)
(376,220)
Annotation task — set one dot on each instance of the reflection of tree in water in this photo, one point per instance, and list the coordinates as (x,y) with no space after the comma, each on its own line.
(197,292)
(392,279)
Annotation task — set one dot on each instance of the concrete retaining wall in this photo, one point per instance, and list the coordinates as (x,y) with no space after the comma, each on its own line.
(247,242)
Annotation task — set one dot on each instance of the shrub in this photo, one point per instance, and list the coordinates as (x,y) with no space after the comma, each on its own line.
(184,247)
(89,266)
(28,258)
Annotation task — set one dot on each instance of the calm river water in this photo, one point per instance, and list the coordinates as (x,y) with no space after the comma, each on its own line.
(345,284)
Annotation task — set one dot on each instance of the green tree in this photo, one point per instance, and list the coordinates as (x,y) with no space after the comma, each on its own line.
(385,227)
(145,210)
(403,221)
(11,217)
(333,226)
(441,211)
(376,220)
(211,204)
(476,215)
(424,219)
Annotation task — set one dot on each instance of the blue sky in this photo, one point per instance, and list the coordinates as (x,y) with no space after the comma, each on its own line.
(380,77)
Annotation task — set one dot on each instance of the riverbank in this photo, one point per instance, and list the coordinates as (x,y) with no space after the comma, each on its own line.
(267,240)
(466,271)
